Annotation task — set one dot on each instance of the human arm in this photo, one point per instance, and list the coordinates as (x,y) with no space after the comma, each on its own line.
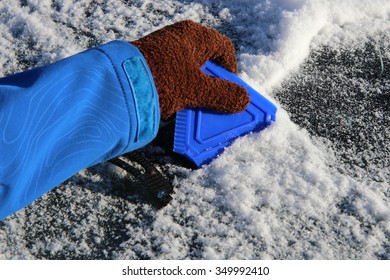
(61,118)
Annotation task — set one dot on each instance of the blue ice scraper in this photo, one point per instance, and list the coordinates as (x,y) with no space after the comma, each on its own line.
(201,134)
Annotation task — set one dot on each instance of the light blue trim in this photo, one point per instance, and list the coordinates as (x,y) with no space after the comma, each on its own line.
(113,49)
(145,98)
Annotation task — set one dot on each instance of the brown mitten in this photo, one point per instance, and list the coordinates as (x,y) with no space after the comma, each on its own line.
(175,55)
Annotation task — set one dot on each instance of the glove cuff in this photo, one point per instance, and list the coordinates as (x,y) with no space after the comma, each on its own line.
(136,78)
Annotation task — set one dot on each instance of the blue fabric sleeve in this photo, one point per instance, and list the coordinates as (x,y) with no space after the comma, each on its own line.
(61,118)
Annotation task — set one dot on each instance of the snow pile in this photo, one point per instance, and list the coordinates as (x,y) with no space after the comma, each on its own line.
(275,194)
(293,27)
